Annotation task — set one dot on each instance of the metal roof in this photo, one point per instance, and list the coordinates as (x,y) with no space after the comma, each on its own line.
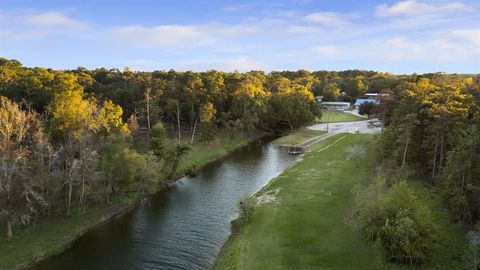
(360,101)
(335,103)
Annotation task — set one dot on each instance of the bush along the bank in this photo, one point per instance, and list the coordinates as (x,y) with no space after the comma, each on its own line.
(391,215)
(245,210)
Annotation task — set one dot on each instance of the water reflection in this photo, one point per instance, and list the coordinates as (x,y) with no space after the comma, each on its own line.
(182,228)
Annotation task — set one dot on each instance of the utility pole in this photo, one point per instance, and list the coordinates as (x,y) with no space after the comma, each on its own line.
(328,118)
(147,102)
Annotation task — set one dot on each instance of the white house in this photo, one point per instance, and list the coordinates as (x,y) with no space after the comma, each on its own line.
(339,106)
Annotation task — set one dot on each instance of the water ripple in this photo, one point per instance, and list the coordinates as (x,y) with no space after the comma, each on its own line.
(183,228)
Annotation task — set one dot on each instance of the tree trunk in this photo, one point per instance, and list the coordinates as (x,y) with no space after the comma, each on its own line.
(82,195)
(9,228)
(174,165)
(178,124)
(193,132)
(191,117)
(434,168)
(383,118)
(405,152)
(69,197)
(147,99)
(442,144)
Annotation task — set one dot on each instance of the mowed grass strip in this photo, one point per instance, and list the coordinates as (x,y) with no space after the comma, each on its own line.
(304,228)
(298,136)
(335,117)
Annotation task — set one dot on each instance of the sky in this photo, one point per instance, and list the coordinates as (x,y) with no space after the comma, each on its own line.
(396,36)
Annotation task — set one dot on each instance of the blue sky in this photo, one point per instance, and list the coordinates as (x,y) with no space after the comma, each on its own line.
(403,36)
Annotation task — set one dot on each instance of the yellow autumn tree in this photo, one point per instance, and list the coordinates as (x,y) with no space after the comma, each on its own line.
(69,111)
(109,118)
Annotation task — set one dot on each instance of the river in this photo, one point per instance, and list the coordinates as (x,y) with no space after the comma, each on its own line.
(181,228)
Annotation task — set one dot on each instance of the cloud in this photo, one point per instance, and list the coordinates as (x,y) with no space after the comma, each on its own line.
(329,19)
(326,51)
(470,35)
(401,48)
(238,7)
(239,63)
(288,13)
(164,36)
(53,19)
(413,8)
(301,30)
(16,36)
(179,37)
(450,46)
(20,27)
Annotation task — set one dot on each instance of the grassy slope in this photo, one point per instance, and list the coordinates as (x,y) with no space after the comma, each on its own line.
(304,229)
(52,236)
(202,154)
(298,137)
(334,116)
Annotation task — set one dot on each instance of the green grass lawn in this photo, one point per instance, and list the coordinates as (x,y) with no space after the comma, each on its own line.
(203,153)
(336,116)
(53,235)
(298,137)
(304,228)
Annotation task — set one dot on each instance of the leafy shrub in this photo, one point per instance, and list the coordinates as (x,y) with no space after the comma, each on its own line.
(123,164)
(192,171)
(396,219)
(245,207)
(157,140)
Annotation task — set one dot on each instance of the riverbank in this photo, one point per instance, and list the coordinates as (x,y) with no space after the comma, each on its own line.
(299,222)
(52,236)
(303,227)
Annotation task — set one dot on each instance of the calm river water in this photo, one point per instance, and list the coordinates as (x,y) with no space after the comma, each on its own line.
(182,228)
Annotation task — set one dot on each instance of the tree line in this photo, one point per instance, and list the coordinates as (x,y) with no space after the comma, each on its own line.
(432,128)
(70,139)
(431,131)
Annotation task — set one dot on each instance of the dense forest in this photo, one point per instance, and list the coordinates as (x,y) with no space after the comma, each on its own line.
(431,132)
(74,138)
(432,129)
